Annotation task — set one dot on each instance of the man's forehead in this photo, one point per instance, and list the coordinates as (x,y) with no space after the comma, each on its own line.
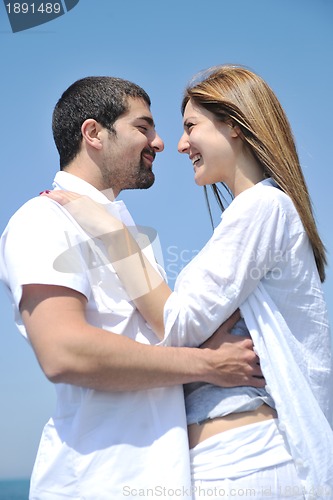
(138,105)
(138,109)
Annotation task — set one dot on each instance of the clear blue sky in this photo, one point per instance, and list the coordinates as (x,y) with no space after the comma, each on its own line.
(159,45)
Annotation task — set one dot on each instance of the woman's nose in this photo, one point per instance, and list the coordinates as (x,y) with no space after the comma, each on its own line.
(183,144)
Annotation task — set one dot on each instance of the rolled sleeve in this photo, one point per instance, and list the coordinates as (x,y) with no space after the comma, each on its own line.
(248,244)
(43,245)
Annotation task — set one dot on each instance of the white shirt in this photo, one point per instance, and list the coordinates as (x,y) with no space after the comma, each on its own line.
(260,259)
(97,446)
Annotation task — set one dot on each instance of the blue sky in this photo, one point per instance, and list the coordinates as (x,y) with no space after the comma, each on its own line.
(159,45)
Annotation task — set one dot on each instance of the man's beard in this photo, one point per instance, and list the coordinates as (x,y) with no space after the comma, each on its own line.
(145,177)
(141,178)
(137,176)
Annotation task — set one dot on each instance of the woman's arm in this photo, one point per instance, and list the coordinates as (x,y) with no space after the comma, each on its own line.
(249,242)
(142,282)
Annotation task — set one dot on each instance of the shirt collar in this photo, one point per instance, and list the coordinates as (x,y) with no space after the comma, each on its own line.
(269,182)
(69,182)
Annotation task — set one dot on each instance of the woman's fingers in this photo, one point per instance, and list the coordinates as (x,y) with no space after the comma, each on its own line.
(61,197)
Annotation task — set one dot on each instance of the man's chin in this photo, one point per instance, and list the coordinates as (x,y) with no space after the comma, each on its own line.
(146,182)
(143,183)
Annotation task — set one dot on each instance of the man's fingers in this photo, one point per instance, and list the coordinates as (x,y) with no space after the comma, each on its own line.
(258,382)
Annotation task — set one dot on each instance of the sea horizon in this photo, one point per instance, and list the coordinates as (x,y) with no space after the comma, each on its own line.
(14,488)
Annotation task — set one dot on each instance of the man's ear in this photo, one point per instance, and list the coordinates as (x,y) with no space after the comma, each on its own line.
(90,131)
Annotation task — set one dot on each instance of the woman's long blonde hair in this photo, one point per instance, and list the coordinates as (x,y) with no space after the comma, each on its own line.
(234,92)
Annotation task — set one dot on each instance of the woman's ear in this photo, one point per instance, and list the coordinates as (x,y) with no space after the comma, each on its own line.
(235,129)
(90,131)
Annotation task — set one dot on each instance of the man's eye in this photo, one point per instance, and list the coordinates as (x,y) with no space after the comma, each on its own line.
(142,127)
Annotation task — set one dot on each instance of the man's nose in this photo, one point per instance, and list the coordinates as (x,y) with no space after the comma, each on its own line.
(157,144)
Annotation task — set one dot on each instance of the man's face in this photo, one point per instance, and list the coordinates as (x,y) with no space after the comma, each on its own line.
(130,152)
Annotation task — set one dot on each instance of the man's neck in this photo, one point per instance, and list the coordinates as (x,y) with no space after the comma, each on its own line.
(92,179)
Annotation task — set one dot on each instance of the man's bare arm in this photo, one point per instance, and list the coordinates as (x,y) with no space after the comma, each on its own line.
(72,351)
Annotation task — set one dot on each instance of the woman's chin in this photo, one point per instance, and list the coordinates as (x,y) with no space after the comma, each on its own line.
(199,180)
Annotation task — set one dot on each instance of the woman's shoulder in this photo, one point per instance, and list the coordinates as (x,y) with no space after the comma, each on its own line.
(265,194)
(264,203)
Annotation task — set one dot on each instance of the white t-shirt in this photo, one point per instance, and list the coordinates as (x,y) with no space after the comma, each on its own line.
(260,260)
(96,446)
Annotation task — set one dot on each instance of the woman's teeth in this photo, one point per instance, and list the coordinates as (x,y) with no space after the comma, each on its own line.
(195,159)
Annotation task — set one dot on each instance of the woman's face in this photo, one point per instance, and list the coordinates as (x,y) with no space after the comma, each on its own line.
(210,145)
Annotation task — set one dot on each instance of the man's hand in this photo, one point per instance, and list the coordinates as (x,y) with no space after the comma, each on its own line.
(233,357)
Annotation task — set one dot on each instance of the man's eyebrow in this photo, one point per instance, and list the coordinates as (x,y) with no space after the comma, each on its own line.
(148,119)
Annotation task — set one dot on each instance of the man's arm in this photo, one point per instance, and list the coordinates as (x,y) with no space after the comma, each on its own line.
(72,351)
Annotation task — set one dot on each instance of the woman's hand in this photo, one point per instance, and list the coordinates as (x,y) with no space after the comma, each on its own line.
(96,220)
(93,217)
(142,282)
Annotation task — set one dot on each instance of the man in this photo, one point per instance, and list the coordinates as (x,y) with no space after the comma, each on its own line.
(119,428)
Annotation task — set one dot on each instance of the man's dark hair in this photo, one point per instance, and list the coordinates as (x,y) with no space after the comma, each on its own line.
(102,98)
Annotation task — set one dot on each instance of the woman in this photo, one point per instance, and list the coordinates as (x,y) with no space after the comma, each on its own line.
(265,258)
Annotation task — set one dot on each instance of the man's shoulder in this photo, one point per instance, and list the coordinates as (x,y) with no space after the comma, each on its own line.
(35,211)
